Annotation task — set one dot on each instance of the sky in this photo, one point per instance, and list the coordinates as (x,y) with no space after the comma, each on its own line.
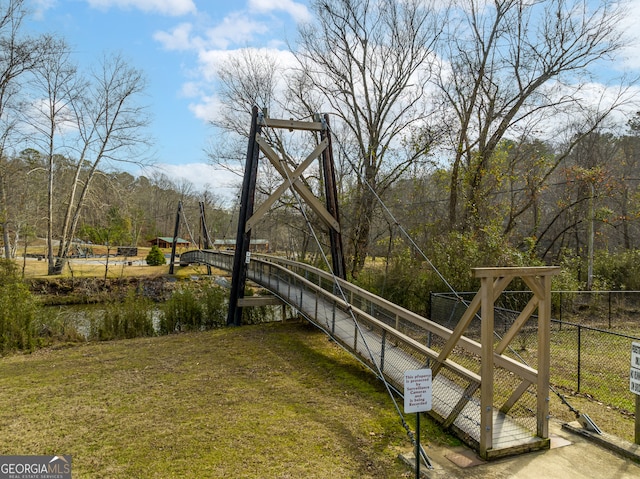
(178,44)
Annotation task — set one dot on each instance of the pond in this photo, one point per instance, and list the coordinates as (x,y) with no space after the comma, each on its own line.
(79,317)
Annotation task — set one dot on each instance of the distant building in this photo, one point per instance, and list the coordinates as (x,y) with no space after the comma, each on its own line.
(167,242)
(256,245)
(127,251)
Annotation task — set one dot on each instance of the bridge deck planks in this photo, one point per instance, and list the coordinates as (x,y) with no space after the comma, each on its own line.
(367,344)
(508,437)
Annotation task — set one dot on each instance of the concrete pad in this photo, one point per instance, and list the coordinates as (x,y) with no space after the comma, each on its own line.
(573,455)
(465,458)
(558,441)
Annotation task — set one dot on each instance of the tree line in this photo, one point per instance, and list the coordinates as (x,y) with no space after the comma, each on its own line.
(476,128)
(66,136)
(120,209)
(480,126)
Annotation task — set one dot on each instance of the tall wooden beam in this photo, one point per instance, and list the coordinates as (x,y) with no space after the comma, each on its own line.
(486,367)
(331,195)
(243,238)
(205,232)
(544,357)
(176,231)
(493,281)
(292,179)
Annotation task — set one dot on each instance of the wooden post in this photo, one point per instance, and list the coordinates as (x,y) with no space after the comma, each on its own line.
(176,231)
(243,238)
(486,368)
(544,357)
(331,195)
(634,385)
(637,432)
(493,282)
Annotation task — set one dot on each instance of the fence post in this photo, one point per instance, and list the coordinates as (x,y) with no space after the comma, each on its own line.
(636,436)
(384,340)
(560,310)
(333,319)
(431,305)
(579,353)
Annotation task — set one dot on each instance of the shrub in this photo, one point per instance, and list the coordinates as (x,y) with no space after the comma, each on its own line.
(18,311)
(194,308)
(215,302)
(155,257)
(132,318)
(619,271)
(409,278)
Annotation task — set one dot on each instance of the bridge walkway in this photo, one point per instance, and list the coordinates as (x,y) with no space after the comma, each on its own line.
(391,340)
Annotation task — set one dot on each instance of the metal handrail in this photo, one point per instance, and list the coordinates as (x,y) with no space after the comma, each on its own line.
(313,291)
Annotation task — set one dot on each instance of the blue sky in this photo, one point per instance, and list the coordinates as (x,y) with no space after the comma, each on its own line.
(176,43)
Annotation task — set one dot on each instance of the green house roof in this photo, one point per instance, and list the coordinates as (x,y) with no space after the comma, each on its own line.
(169,239)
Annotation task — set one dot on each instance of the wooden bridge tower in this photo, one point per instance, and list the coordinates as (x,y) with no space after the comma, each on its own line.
(329,214)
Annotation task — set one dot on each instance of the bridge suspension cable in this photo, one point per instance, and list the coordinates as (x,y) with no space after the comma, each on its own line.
(563,399)
(390,390)
(233,215)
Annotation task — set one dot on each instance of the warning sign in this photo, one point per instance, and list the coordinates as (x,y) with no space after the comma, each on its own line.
(634,374)
(634,381)
(635,355)
(417,390)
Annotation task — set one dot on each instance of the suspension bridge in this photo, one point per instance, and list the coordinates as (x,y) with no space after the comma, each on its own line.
(483,391)
(493,402)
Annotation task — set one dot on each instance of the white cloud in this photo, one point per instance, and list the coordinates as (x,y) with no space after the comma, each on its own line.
(40,7)
(190,89)
(219,181)
(631,53)
(240,28)
(207,106)
(177,39)
(164,7)
(297,11)
(236,28)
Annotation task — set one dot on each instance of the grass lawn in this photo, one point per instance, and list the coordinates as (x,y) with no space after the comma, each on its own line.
(270,401)
(94,267)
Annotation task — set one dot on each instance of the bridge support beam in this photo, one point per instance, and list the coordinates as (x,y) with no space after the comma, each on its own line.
(243,238)
(292,180)
(176,231)
(493,282)
(331,194)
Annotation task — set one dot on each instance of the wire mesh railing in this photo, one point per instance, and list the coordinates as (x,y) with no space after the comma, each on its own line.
(391,340)
(584,359)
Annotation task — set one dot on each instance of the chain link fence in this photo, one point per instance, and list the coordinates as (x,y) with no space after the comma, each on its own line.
(599,309)
(590,354)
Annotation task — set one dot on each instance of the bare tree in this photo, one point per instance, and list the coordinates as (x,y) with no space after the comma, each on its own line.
(511,64)
(251,78)
(248,78)
(19,55)
(55,85)
(110,123)
(96,120)
(370,61)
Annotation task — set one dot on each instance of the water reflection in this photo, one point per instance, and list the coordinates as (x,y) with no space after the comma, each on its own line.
(83,318)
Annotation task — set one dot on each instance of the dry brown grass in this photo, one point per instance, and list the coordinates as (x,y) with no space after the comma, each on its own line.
(266,401)
(94,267)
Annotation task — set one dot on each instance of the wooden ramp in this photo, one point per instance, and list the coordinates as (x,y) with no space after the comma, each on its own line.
(391,340)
